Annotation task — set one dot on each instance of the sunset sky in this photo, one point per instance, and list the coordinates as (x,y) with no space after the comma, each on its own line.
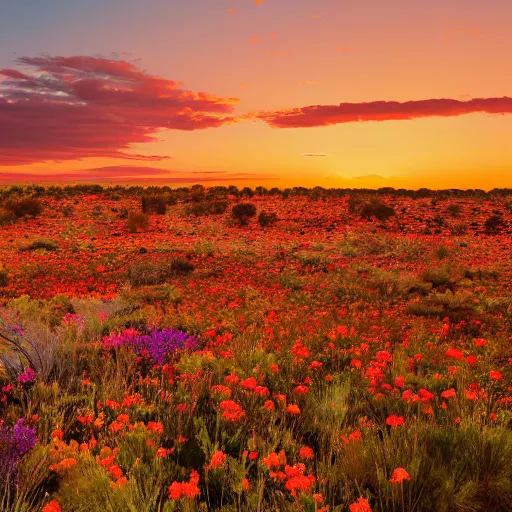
(356,93)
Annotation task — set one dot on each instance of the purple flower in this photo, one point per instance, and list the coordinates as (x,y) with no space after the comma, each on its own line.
(14,443)
(157,345)
(27,376)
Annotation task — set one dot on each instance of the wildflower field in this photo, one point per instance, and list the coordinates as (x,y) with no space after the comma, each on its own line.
(255,350)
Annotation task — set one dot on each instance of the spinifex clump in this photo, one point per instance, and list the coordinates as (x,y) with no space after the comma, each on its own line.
(157,345)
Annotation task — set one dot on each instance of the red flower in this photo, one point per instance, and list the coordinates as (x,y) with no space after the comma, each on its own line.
(453,353)
(399,475)
(217,461)
(395,421)
(269,405)
(495,375)
(449,393)
(53,506)
(306,453)
(231,411)
(293,409)
(249,383)
(361,505)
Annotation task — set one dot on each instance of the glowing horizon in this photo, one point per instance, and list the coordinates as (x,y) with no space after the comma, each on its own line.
(246,92)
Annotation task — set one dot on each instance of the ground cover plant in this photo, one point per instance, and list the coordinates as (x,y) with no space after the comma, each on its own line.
(255,350)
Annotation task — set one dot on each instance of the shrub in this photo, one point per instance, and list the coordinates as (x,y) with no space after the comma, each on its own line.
(137,220)
(154,204)
(267,219)
(454,210)
(207,208)
(372,207)
(6,216)
(456,307)
(24,207)
(438,276)
(4,279)
(150,273)
(181,265)
(47,245)
(242,212)
(493,224)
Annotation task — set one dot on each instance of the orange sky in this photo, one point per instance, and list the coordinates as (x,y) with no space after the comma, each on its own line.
(307,77)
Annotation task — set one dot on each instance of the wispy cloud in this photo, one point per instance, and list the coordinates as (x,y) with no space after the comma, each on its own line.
(313,155)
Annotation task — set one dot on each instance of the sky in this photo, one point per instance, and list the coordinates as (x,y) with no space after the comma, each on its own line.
(350,93)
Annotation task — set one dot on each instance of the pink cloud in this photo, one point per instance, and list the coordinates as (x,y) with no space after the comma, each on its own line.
(325,115)
(68,108)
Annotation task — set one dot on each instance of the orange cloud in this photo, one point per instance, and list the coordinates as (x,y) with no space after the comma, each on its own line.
(254,39)
(232,11)
(325,115)
(69,108)
(259,2)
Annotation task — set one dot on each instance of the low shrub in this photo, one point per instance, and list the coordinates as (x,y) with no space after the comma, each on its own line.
(154,204)
(242,212)
(207,208)
(47,245)
(136,221)
(24,207)
(267,219)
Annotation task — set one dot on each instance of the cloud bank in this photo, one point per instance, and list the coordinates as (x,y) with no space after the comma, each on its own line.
(67,108)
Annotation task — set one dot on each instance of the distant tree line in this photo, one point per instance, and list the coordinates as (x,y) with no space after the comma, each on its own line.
(199,193)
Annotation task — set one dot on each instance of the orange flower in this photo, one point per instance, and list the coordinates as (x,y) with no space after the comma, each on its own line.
(53,506)
(124,418)
(63,465)
(269,405)
(399,475)
(231,411)
(163,453)
(272,460)
(217,461)
(306,453)
(175,491)
(58,434)
(293,409)
(245,485)
(495,375)
(361,505)
(155,427)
